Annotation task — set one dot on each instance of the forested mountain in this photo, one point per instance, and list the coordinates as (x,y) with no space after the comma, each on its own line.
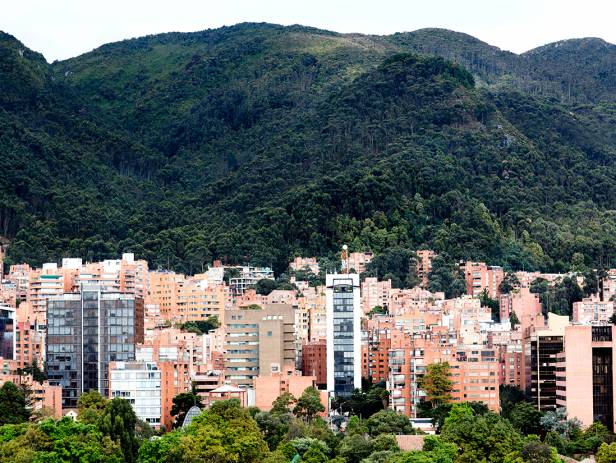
(256,142)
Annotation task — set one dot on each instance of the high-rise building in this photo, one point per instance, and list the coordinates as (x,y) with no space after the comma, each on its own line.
(86,331)
(7,332)
(259,342)
(140,384)
(540,356)
(343,307)
(585,376)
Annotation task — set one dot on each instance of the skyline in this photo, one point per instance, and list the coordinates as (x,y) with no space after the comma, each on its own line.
(67,28)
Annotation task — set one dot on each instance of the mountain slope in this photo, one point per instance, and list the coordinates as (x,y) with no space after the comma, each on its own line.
(257,141)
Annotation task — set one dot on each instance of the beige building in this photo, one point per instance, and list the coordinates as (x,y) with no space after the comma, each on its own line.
(258,342)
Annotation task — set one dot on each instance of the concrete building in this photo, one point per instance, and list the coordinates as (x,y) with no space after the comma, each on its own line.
(343,305)
(480,276)
(140,384)
(180,298)
(592,310)
(249,276)
(357,262)
(585,375)
(85,332)
(305,263)
(424,266)
(374,293)
(314,361)
(269,388)
(540,357)
(259,342)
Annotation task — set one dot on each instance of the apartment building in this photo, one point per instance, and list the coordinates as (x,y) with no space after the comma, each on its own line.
(314,361)
(424,266)
(592,310)
(140,384)
(343,305)
(374,293)
(480,276)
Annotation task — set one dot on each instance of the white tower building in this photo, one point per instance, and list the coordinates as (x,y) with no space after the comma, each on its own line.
(343,309)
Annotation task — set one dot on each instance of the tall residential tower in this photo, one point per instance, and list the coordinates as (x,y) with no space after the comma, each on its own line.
(343,307)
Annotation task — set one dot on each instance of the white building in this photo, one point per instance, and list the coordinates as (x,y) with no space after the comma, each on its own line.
(343,314)
(140,384)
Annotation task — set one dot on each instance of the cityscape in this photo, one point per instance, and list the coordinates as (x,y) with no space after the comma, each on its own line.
(307,232)
(122,330)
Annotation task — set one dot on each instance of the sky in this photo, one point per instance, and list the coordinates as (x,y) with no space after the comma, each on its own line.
(62,29)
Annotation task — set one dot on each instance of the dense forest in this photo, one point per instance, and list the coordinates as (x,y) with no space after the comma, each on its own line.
(258,142)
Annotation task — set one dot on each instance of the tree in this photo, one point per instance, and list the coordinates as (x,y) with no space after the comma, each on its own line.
(33,369)
(606,453)
(309,404)
(118,421)
(282,404)
(534,451)
(363,403)
(265,286)
(510,282)
(509,395)
(396,264)
(15,404)
(90,406)
(62,441)
(442,411)
(223,433)
(314,454)
(557,421)
(479,438)
(355,447)
(388,422)
(273,426)
(446,277)
(436,383)
(514,320)
(201,326)
(487,301)
(181,404)
(526,418)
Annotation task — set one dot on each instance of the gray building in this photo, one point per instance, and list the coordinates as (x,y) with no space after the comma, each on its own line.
(86,331)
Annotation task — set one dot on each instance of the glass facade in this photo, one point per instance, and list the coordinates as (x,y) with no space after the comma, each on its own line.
(85,332)
(602,385)
(7,333)
(344,362)
(544,350)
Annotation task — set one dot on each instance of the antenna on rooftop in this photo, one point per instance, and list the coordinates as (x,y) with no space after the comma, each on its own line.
(345,258)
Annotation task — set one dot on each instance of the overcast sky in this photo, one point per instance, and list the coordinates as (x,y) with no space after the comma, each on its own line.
(61,29)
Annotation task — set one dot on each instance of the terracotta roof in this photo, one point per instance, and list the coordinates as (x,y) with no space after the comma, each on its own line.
(410,442)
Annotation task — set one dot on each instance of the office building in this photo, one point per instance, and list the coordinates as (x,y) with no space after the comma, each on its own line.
(7,332)
(585,374)
(343,309)
(258,342)
(85,332)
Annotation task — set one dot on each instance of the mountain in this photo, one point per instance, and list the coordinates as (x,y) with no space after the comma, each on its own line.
(256,142)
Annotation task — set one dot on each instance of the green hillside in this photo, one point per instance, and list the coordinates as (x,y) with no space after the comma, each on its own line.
(256,142)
